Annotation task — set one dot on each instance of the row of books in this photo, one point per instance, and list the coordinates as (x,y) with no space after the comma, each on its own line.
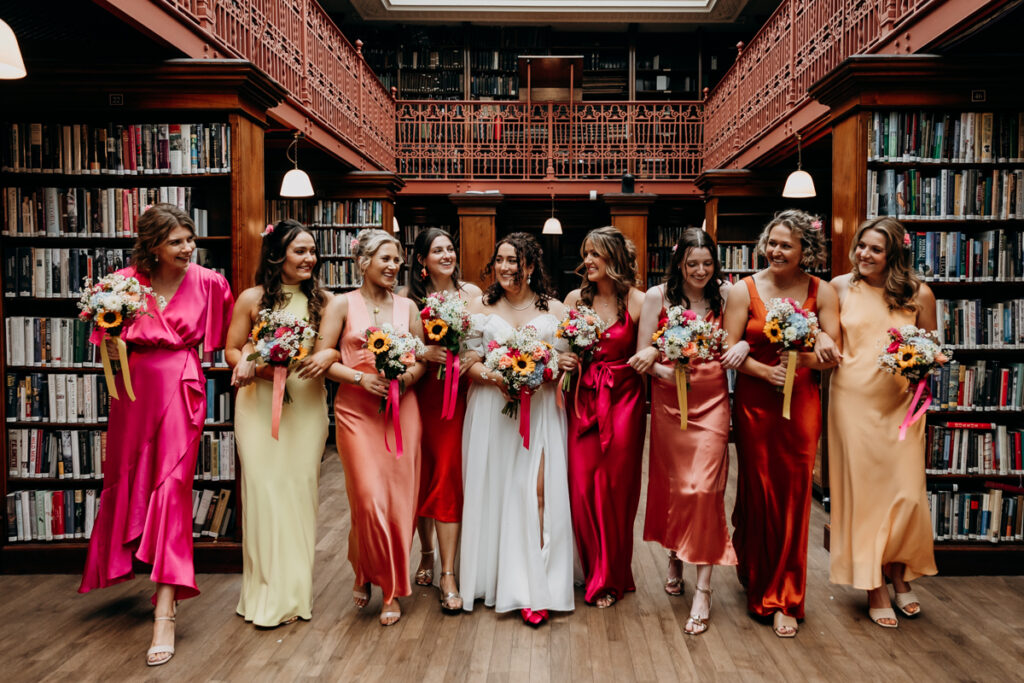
(213,513)
(50,397)
(216,458)
(430,81)
(54,272)
(340,274)
(676,82)
(116,148)
(992,255)
(426,58)
(666,236)
(90,211)
(972,324)
(740,257)
(49,342)
(495,60)
(47,515)
(328,213)
(935,136)
(995,515)
(218,400)
(973,448)
(56,454)
(332,242)
(494,85)
(979,385)
(946,194)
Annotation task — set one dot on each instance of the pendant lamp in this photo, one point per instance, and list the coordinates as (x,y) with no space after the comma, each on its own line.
(799,184)
(11,64)
(295,182)
(552,226)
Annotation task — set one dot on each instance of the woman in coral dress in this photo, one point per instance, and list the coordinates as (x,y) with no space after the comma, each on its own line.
(280,476)
(382,483)
(880,519)
(435,268)
(776,455)
(689,468)
(605,406)
(146,505)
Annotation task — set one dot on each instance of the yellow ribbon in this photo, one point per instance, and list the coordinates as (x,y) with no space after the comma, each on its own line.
(108,370)
(681,394)
(787,391)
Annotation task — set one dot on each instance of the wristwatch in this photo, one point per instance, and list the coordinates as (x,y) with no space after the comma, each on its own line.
(357,378)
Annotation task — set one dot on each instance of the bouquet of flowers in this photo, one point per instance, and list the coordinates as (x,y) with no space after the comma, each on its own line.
(913,353)
(394,352)
(581,329)
(525,363)
(683,337)
(446,321)
(794,328)
(279,339)
(112,303)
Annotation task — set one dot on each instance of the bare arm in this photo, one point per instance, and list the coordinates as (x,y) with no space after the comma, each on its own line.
(645,359)
(736,308)
(828,320)
(738,348)
(237,345)
(927,316)
(324,355)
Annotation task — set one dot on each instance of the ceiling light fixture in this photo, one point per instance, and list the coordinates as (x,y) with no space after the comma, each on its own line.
(295,182)
(552,226)
(11,64)
(799,184)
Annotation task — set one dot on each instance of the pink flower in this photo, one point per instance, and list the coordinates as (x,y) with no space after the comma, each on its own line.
(278,354)
(893,348)
(408,358)
(689,315)
(280,332)
(906,239)
(491,345)
(570,329)
(354,244)
(426,313)
(505,362)
(815,225)
(548,375)
(269,229)
(538,354)
(674,247)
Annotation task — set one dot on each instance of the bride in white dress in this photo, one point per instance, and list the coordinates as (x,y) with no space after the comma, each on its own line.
(517,543)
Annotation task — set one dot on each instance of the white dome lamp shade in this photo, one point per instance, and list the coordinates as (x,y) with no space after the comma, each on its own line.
(11,64)
(799,184)
(552,226)
(296,182)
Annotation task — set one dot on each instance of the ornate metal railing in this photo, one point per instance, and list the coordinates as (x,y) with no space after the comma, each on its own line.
(548,141)
(297,44)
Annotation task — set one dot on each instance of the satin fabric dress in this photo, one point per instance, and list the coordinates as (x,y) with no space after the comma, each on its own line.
(381,487)
(279,490)
(606,445)
(503,559)
(152,442)
(773,485)
(879,511)
(688,469)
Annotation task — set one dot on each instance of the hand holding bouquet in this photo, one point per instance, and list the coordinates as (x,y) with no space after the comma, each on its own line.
(683,337)
(446,321)
(795,329)
(581,329)
(279,339)
(913,353)
(524,362)
(113,303)
(394,352)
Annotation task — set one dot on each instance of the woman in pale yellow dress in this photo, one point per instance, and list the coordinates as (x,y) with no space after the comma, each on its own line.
(881,525)
(280,476)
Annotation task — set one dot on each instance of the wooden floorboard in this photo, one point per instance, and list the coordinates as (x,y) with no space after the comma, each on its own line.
(972,629)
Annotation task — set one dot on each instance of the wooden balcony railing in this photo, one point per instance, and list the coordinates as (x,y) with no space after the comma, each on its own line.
(548,141)
(297,44)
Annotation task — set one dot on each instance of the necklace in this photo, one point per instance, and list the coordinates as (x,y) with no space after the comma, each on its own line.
(531,302)
(370,303)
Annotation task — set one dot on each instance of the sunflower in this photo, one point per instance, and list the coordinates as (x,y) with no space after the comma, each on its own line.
(907,357)
(657,335)
(773,331)
(436,329)
(257,328)
(378,342)
(303,352)
(523,365)
(109,319)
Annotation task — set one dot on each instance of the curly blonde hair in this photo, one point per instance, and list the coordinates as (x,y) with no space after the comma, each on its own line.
(368,242)
(802,226)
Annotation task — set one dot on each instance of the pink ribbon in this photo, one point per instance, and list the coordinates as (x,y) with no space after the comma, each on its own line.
(524,417)
(451,385)
(912,414)
(392,408)
(280,377)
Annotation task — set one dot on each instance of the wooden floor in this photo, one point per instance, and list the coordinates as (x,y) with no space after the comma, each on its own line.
(971,629)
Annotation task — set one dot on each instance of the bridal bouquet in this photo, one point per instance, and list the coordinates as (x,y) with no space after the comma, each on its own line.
(279,339)
(794,328)
(581,329)
(394,352)
(525,363)
(913,353)
(446,321)
(682,337)
(112,303)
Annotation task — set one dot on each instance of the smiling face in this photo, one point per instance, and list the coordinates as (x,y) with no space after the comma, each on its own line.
(299,259)
(506,265)
(783,252)
(384,266)
(176,250)
(440,259)
(697,267)
(595,265)
(870,256)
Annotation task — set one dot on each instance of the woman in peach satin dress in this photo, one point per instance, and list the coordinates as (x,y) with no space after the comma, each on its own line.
(689,468)
(881,524)
(381,485)
(776,455)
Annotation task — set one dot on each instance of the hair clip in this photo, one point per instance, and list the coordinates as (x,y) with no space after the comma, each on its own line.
(816,224)
(270,229)
(354,244)
(906,239)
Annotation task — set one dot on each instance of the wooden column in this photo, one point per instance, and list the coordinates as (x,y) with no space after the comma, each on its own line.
(476,233)
(248,208)
(629,215)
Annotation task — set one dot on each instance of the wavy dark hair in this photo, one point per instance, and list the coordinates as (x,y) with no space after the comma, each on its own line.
(901,282)
(421,249)
(675,293)
(268,274)
(528,253)
(619,253)
(155,225)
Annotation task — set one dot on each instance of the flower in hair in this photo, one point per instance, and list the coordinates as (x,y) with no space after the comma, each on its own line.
(354,244)
(674,247)
(815,224)
(906,239)
(269,229)
(146,208)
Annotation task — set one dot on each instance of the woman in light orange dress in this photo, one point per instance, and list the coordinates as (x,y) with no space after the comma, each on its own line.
(381,485)
(880,521)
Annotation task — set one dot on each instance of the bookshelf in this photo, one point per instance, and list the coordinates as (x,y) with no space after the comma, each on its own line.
(947,159)
(667,70)
(73,182)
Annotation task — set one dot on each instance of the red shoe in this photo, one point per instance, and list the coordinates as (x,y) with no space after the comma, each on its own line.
(534,618)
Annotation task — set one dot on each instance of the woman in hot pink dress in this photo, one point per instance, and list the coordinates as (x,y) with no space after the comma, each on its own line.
(146,505)
(606,435)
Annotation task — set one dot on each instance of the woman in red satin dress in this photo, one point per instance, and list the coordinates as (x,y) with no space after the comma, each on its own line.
(689,468)
(434,268)
(605,407)
(776,455)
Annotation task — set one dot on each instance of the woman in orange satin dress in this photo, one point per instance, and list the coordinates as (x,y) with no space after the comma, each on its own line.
(776,455)
(381,483)
(689,468)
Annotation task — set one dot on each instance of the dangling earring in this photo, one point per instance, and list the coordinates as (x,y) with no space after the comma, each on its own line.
(423,273)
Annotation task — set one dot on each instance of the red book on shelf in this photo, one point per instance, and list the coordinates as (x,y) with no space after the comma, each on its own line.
(1004,487)
(57,523)
(971,425)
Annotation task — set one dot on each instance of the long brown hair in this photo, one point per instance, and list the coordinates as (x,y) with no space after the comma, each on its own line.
(155,225)
(619,254)
(901,282)
(421,249)
(675,293)
(268,274)
(528,253)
